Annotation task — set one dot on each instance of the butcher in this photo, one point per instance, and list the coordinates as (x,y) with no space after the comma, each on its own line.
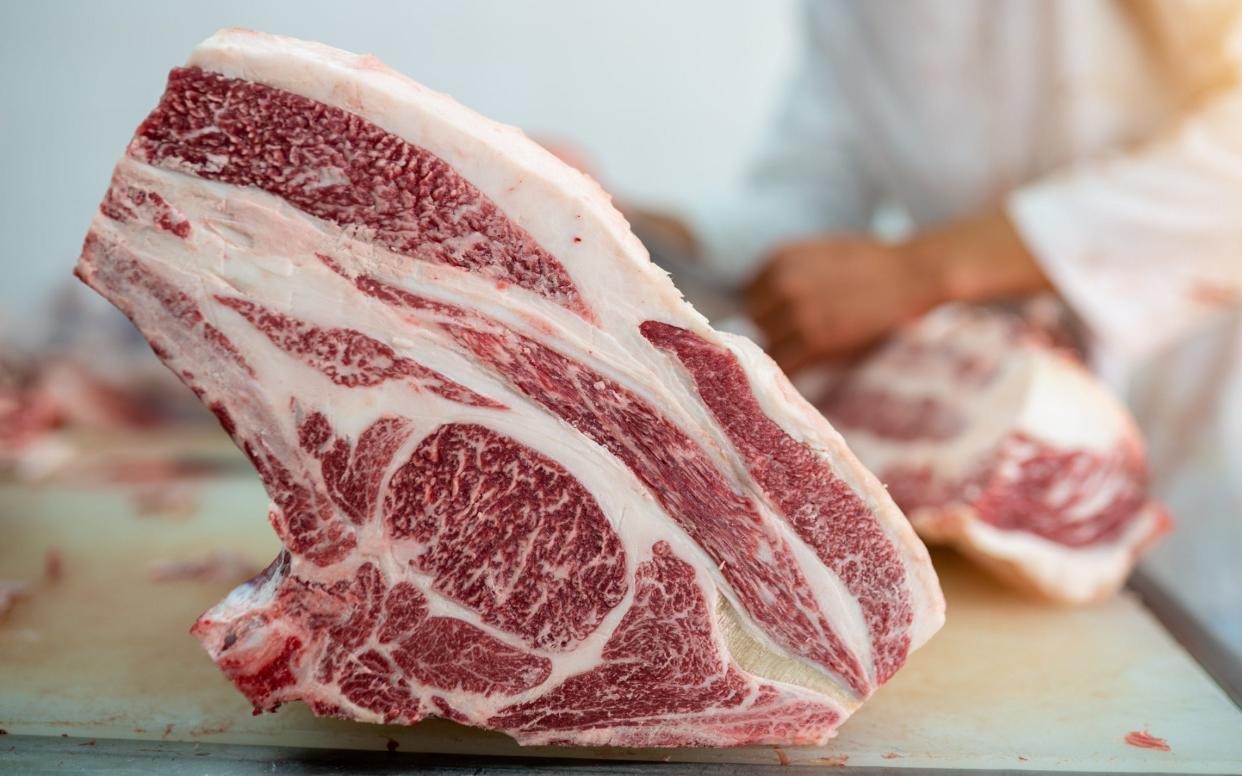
(1088,147)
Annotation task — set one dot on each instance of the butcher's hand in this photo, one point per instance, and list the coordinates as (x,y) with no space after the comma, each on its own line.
(831,297)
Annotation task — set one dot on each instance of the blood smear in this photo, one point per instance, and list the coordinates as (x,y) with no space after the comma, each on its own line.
(1145,740)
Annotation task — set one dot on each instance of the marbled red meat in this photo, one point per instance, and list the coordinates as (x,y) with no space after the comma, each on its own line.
(495,524)
(519,483)
(995,441)
(663,667)
(338,166)
(829,517)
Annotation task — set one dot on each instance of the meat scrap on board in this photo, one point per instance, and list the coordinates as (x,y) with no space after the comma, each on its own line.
(996,442)
(520,483)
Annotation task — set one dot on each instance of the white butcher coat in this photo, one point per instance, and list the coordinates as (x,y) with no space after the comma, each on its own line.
(1112,134)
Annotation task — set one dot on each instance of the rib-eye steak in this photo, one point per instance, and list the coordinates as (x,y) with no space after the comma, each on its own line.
(1006,447)
(520,483)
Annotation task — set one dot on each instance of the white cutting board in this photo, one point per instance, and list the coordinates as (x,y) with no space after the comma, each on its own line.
(1007,684)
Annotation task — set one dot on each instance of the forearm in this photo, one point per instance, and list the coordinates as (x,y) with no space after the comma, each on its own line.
(978,259)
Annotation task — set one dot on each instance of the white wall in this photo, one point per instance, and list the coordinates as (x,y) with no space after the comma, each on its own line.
(668,96)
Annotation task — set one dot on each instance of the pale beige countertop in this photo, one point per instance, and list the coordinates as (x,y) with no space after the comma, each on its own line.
(104,653)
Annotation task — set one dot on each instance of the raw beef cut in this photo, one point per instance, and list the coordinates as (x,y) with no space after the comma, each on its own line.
(520,483)
(996,442)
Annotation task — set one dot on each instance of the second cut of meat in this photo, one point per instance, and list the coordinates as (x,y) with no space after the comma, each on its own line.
(1009,449)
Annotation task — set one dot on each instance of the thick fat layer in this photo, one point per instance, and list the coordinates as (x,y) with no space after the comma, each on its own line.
(354,406)
(1045,482)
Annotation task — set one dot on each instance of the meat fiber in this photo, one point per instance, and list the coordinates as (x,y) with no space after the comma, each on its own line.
(996,442)
(520,483)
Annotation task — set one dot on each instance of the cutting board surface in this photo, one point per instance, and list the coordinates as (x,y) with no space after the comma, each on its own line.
(1008,684)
